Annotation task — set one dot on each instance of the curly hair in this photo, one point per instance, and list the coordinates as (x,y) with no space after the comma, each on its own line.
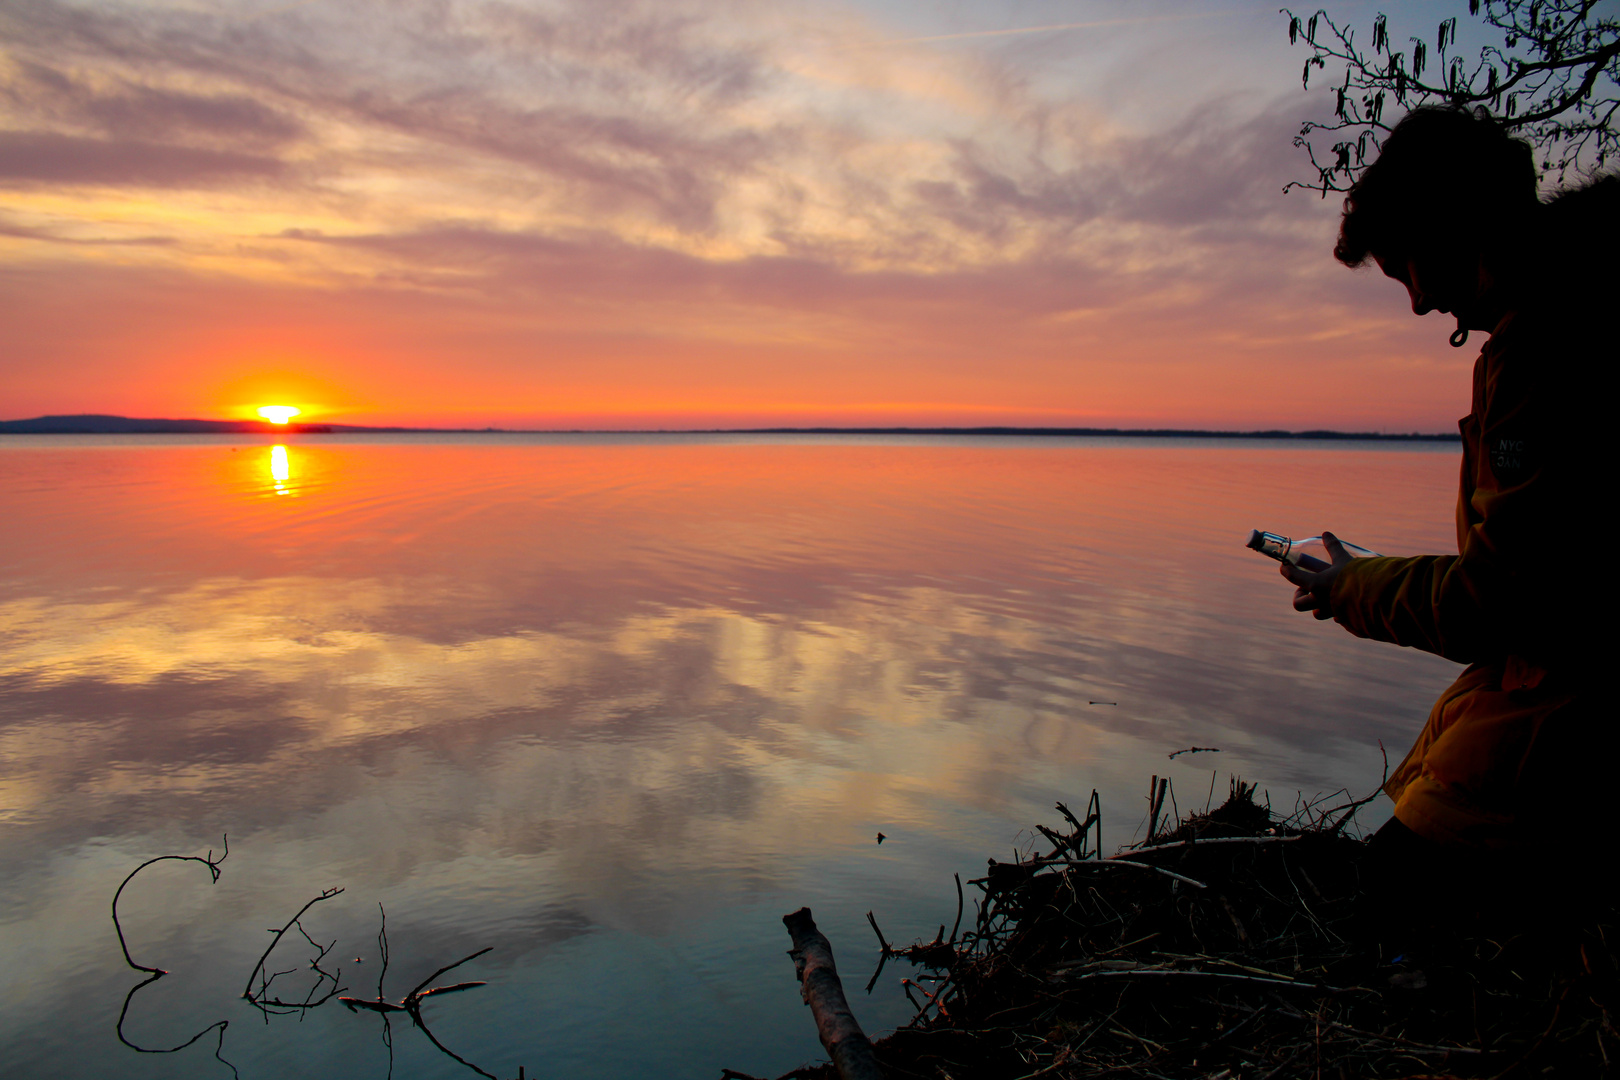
(1444,175)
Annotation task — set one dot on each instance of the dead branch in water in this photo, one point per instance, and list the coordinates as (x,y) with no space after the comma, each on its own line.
(840,1033)
(275,1006)
(153,973)
(213,871)
(259,993)
(411,1003)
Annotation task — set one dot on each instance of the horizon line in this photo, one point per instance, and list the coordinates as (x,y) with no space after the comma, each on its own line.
(110,424)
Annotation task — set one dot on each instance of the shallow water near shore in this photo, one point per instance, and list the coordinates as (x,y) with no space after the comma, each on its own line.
(613,705)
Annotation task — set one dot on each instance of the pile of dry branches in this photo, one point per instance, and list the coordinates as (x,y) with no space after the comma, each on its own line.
(1238,944)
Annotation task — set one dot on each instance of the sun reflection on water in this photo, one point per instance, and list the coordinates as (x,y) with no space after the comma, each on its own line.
(280,469)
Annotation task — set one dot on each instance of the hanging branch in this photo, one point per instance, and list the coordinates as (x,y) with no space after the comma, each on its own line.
(1554,81)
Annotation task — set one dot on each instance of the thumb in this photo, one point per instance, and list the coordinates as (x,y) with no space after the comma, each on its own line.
(1334,548)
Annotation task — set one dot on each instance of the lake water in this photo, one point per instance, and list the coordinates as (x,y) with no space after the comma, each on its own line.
(614,705)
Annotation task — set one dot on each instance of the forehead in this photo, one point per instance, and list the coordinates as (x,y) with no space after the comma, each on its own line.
(1394,266)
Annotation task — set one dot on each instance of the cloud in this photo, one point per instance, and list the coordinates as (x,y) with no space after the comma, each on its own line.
(702,127)
(43,157)
(741,196)
(1215,166)
(1057,27)
(613,106)
(20,231)
(161,114)
(50,91)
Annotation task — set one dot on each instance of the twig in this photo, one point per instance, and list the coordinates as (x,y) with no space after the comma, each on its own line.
(883,955)
(1060,843)
(1171,845)
(1093,818)
(1296,984)
(1429,1048)
(1228,963)
(1089,863)
(382,946)
(1351,808)
(1156,793)
(933,999)
(882,941)
(1060,1059)
(417,994)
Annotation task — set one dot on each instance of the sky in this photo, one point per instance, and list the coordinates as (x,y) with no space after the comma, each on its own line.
(686,214)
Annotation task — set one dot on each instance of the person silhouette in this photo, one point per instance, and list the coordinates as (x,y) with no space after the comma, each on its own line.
(1514,756)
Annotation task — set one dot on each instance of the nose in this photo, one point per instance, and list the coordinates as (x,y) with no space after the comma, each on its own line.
(1420,303)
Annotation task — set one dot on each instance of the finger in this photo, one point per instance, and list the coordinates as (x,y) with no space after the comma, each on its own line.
(1304,600)
(1296,576)
(1322,614)
(1334,548)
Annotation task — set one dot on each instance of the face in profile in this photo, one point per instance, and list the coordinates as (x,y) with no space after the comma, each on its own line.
(1448,282)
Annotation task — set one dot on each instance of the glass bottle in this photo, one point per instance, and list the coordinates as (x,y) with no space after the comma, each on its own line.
(1307,554)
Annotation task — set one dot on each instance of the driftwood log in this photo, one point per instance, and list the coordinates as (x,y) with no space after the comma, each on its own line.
(841,1035)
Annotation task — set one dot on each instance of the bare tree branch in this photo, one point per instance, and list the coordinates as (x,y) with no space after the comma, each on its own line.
(1554,81)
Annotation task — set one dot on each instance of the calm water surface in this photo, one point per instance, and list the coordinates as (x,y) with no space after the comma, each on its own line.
(613,705)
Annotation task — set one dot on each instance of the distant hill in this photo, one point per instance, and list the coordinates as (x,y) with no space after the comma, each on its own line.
(96,424)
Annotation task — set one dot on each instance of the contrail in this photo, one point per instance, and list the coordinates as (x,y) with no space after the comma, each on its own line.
(1056,26)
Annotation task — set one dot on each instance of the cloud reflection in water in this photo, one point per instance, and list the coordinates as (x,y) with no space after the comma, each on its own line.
(539,689)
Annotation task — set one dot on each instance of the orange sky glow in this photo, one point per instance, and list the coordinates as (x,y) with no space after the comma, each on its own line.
(691,214)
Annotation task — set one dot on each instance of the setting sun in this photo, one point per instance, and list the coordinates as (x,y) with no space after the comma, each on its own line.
(278,414)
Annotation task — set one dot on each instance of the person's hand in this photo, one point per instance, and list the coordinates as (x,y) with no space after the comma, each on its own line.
(1314,589)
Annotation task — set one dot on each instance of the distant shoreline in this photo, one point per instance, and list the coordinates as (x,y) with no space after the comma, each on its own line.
(124,425)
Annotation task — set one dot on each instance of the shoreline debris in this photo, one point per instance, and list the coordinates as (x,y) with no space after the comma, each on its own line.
(823,991)
(1240,945)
